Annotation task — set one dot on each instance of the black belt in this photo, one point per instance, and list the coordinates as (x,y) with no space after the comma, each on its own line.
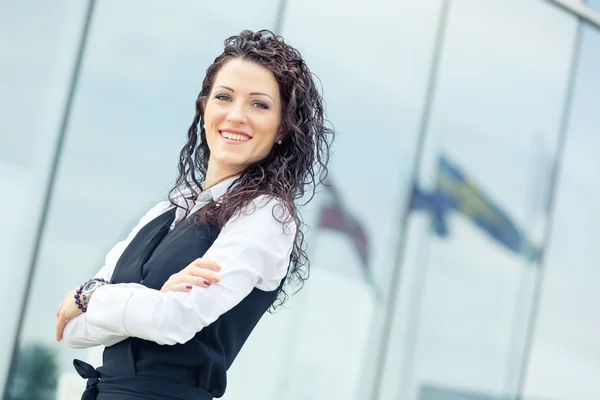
(141,386)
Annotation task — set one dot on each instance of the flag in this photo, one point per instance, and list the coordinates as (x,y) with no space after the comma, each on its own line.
(466,198)
(455,192)
(434,203)
(335,217)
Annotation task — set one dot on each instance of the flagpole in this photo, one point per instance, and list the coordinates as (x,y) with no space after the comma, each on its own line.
(395,282)
(561,143)
(419,283)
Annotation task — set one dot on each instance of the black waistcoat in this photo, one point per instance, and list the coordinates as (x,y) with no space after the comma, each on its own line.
(193,370)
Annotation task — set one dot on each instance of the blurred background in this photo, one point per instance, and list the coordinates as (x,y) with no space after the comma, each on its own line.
(454,257)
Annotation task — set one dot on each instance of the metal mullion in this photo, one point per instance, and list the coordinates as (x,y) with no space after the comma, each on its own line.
(579,9)
(48,194)
(548,229)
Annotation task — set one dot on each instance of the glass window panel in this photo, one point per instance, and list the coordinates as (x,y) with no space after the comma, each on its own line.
(38,45)
(565,360)
(373,59)
(495,117)
(142,72)
(595,4)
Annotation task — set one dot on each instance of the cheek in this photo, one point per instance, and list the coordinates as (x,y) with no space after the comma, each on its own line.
(213,114)
(273,128)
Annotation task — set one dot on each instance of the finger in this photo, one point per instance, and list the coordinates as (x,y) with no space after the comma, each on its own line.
(60,327)
(200,281)
(203,273)
(179,287)
(196,281)
(62,305)
(60,309)
(208,264)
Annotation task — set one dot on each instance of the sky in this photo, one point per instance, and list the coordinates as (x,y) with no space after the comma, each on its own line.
(497,106)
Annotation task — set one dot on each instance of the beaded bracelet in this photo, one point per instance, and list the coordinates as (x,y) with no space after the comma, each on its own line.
(81,299)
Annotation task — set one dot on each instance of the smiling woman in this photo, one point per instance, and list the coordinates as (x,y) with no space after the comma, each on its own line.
(241,116)
(199,270)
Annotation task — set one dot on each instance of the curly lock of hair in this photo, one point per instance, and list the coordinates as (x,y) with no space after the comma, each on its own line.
(291,171)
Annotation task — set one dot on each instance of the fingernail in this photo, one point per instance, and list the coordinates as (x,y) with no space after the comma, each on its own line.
(218,267)
(188,286)
(207,283)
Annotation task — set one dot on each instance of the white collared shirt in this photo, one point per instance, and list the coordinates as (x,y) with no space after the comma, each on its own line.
(253,250)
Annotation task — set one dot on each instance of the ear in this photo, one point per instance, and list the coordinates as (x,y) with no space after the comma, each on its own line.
(280,136)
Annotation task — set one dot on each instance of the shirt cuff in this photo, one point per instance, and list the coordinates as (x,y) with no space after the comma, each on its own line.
(107,307)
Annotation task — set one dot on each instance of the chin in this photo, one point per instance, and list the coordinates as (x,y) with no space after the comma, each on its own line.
(232,163)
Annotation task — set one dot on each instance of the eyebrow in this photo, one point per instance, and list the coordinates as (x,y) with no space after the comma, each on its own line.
(251,94)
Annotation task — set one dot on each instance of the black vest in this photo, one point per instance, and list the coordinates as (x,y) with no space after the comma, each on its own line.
(195,370)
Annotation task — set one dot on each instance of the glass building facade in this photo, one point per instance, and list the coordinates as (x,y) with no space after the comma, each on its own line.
(465,158)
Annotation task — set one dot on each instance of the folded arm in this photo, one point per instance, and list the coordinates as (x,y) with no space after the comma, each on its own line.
(78,333)
(253,251)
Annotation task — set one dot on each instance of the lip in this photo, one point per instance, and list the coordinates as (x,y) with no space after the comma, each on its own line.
(235,131)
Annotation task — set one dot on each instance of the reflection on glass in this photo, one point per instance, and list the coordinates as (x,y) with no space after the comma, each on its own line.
(471,259)
(37,53)
(478,214)
(140,78)
(36,374)
(565,360)
(374,97)
(595,4)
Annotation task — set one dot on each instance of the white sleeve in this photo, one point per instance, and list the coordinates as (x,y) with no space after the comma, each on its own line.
(78,332)
(253,250)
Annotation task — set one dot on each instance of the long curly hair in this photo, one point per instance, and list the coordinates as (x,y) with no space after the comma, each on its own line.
(291,171)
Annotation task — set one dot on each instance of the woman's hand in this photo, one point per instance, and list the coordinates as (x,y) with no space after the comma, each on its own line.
(198,273)
(67,310)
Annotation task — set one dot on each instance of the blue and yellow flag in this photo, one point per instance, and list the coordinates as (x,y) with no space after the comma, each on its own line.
(454,191)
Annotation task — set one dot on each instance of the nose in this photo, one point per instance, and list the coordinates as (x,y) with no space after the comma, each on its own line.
(236,114)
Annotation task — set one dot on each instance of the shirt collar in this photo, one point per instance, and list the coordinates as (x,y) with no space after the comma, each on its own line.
(205,197)
(220,188)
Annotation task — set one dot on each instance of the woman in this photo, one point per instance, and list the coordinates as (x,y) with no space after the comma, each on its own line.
(178,298)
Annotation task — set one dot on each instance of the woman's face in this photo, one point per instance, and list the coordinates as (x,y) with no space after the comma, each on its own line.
(242,116)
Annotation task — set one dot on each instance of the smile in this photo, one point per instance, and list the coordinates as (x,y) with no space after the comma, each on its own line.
(237,137)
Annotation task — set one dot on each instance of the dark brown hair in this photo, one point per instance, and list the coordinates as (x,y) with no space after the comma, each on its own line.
(292,170)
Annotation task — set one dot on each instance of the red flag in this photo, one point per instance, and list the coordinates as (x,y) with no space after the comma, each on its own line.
(335,217)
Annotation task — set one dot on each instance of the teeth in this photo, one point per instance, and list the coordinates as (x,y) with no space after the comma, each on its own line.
(234,136)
